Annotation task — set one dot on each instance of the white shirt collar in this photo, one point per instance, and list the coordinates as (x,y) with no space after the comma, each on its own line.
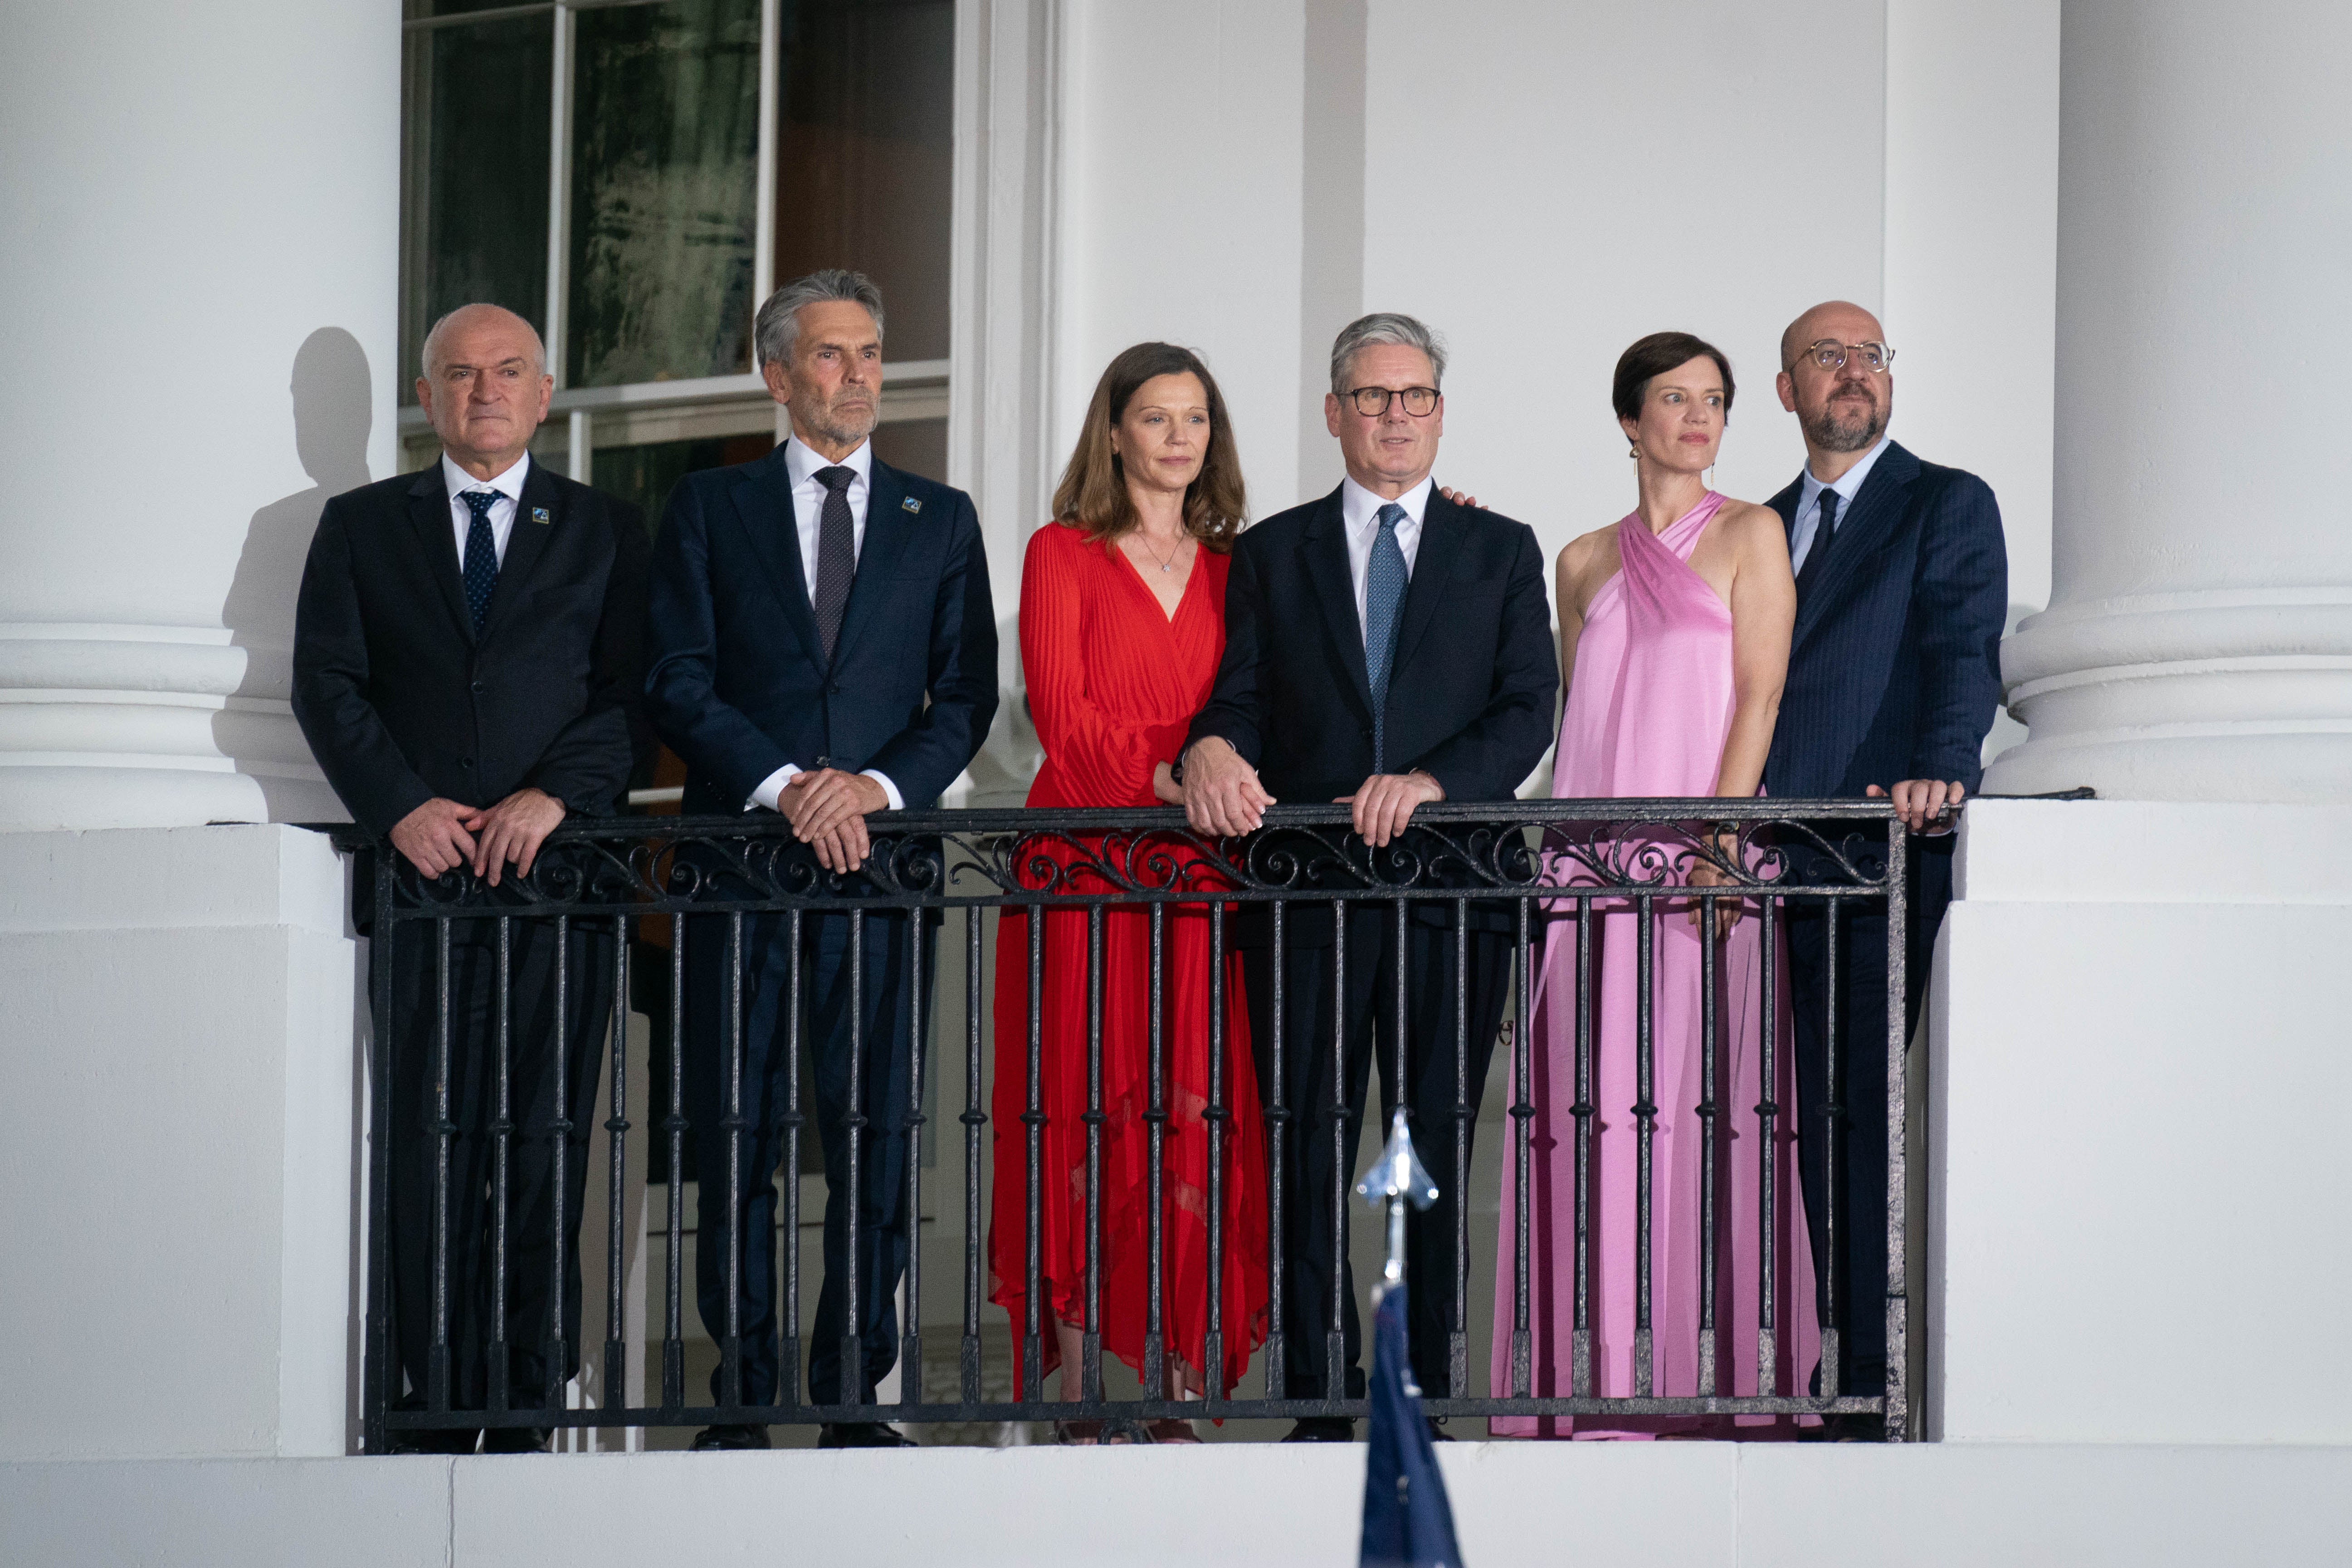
(1359,507)
(804,464)
(1849,484)
(507,484)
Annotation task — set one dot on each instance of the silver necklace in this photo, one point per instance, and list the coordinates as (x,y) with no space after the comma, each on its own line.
(1169,564)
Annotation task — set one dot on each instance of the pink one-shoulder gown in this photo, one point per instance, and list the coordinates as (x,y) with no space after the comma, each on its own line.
(1649,707)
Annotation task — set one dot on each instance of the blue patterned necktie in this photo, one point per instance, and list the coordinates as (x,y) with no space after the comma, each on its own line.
(1384,583)
(481,555)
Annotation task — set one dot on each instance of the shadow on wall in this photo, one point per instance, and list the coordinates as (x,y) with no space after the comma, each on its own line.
(333,401)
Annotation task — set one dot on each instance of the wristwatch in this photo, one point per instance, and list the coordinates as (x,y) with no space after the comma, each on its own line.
(1176,769)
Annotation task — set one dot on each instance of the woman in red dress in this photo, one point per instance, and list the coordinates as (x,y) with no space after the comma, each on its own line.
(1122,625)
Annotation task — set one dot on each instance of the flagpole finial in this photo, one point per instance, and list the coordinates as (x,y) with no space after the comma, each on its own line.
(1396,1178)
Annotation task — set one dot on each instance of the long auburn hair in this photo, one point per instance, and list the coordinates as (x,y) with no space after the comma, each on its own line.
(1092,496)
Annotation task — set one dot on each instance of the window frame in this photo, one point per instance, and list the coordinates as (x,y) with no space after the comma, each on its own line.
(634,413)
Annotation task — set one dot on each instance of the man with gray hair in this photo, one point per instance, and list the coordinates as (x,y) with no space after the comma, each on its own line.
(823,648)
(1339,683)
(468,654)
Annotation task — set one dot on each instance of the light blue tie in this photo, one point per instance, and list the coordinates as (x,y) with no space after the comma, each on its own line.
(1385,584)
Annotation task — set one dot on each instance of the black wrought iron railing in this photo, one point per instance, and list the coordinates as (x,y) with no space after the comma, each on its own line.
(1526,867)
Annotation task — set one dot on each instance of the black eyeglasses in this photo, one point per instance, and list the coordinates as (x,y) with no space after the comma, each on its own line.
(1830,355)
(1372,402)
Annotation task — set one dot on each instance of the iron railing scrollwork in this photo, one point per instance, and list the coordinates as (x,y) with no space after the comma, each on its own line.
(1538,864)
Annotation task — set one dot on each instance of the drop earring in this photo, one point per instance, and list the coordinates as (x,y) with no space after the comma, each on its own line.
(1634,452)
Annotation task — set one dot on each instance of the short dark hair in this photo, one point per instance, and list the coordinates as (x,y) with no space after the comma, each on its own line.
(1654,355)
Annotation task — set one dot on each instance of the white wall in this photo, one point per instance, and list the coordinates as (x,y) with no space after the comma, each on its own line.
(199,262)
(1545,183)
(1181,220)
(178,1143)
(1972,251)
(1595,1505)
(2143,1234)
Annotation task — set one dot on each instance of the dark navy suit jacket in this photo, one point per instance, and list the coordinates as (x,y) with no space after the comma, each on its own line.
(738,685)
(1471,688)
(401,701)
(1895,664)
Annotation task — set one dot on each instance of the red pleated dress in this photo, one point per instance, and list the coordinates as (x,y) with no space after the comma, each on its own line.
(1114,682)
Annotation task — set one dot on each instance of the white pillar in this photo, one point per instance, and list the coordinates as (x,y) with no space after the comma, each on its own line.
(200,278)
(2198,642)
(200,273)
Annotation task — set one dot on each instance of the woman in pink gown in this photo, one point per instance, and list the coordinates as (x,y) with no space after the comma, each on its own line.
(1674,627)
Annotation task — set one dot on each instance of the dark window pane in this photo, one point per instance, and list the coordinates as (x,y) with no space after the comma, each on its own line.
(646,474)
(865,154)
(917,445)
(475,172)
(665,110)
(416,10)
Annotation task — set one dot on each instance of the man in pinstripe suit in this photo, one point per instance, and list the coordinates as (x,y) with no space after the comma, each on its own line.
(1893,674)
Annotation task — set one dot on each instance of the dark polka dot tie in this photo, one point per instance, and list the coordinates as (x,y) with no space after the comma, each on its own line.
(481,555)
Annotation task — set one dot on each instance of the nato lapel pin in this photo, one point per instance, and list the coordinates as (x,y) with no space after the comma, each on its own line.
(911,504)
(538,514)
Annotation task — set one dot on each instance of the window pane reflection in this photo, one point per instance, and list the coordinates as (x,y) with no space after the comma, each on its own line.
(664,191)
(864,154)
(647,472)
(476,173)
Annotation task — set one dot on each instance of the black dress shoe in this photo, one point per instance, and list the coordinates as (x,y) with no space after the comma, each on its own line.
(515,1440)
(1323,1430)
(720,1439)
(862,1435)
(416,1442)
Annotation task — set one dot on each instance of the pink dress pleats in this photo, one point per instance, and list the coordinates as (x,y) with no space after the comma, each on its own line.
(1649,707)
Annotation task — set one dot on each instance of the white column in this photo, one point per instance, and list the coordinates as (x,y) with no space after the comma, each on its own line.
(201,271)
(2198,642)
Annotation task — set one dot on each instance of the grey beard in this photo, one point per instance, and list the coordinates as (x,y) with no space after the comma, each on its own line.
(1833,434)
(847,432)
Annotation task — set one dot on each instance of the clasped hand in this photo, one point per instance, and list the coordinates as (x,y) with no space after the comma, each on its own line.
(442,835)
(828,809)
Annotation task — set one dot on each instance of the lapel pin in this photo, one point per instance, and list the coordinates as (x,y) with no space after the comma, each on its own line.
(911,504)
(538,514)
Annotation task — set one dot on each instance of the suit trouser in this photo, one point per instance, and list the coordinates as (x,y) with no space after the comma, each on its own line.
(1316,1101)
(1859,1308)
(877,1092)
(413,1158)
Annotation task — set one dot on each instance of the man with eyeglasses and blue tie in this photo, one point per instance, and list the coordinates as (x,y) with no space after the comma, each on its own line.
(1894,676)
(468,650)
(1385,647)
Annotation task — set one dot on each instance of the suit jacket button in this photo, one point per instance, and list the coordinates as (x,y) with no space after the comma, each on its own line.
(478,689)
(835,689)
(468,763)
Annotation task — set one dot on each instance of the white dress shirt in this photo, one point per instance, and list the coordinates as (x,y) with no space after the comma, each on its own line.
(1359,512)
(808,517)
(1808,502)
(503,512)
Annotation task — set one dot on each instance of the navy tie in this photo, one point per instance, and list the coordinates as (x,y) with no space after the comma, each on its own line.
(481,555)
(836,555)
(1384,583)
(1823,531)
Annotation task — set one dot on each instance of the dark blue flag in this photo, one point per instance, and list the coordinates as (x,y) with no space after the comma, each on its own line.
(1408,1523)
